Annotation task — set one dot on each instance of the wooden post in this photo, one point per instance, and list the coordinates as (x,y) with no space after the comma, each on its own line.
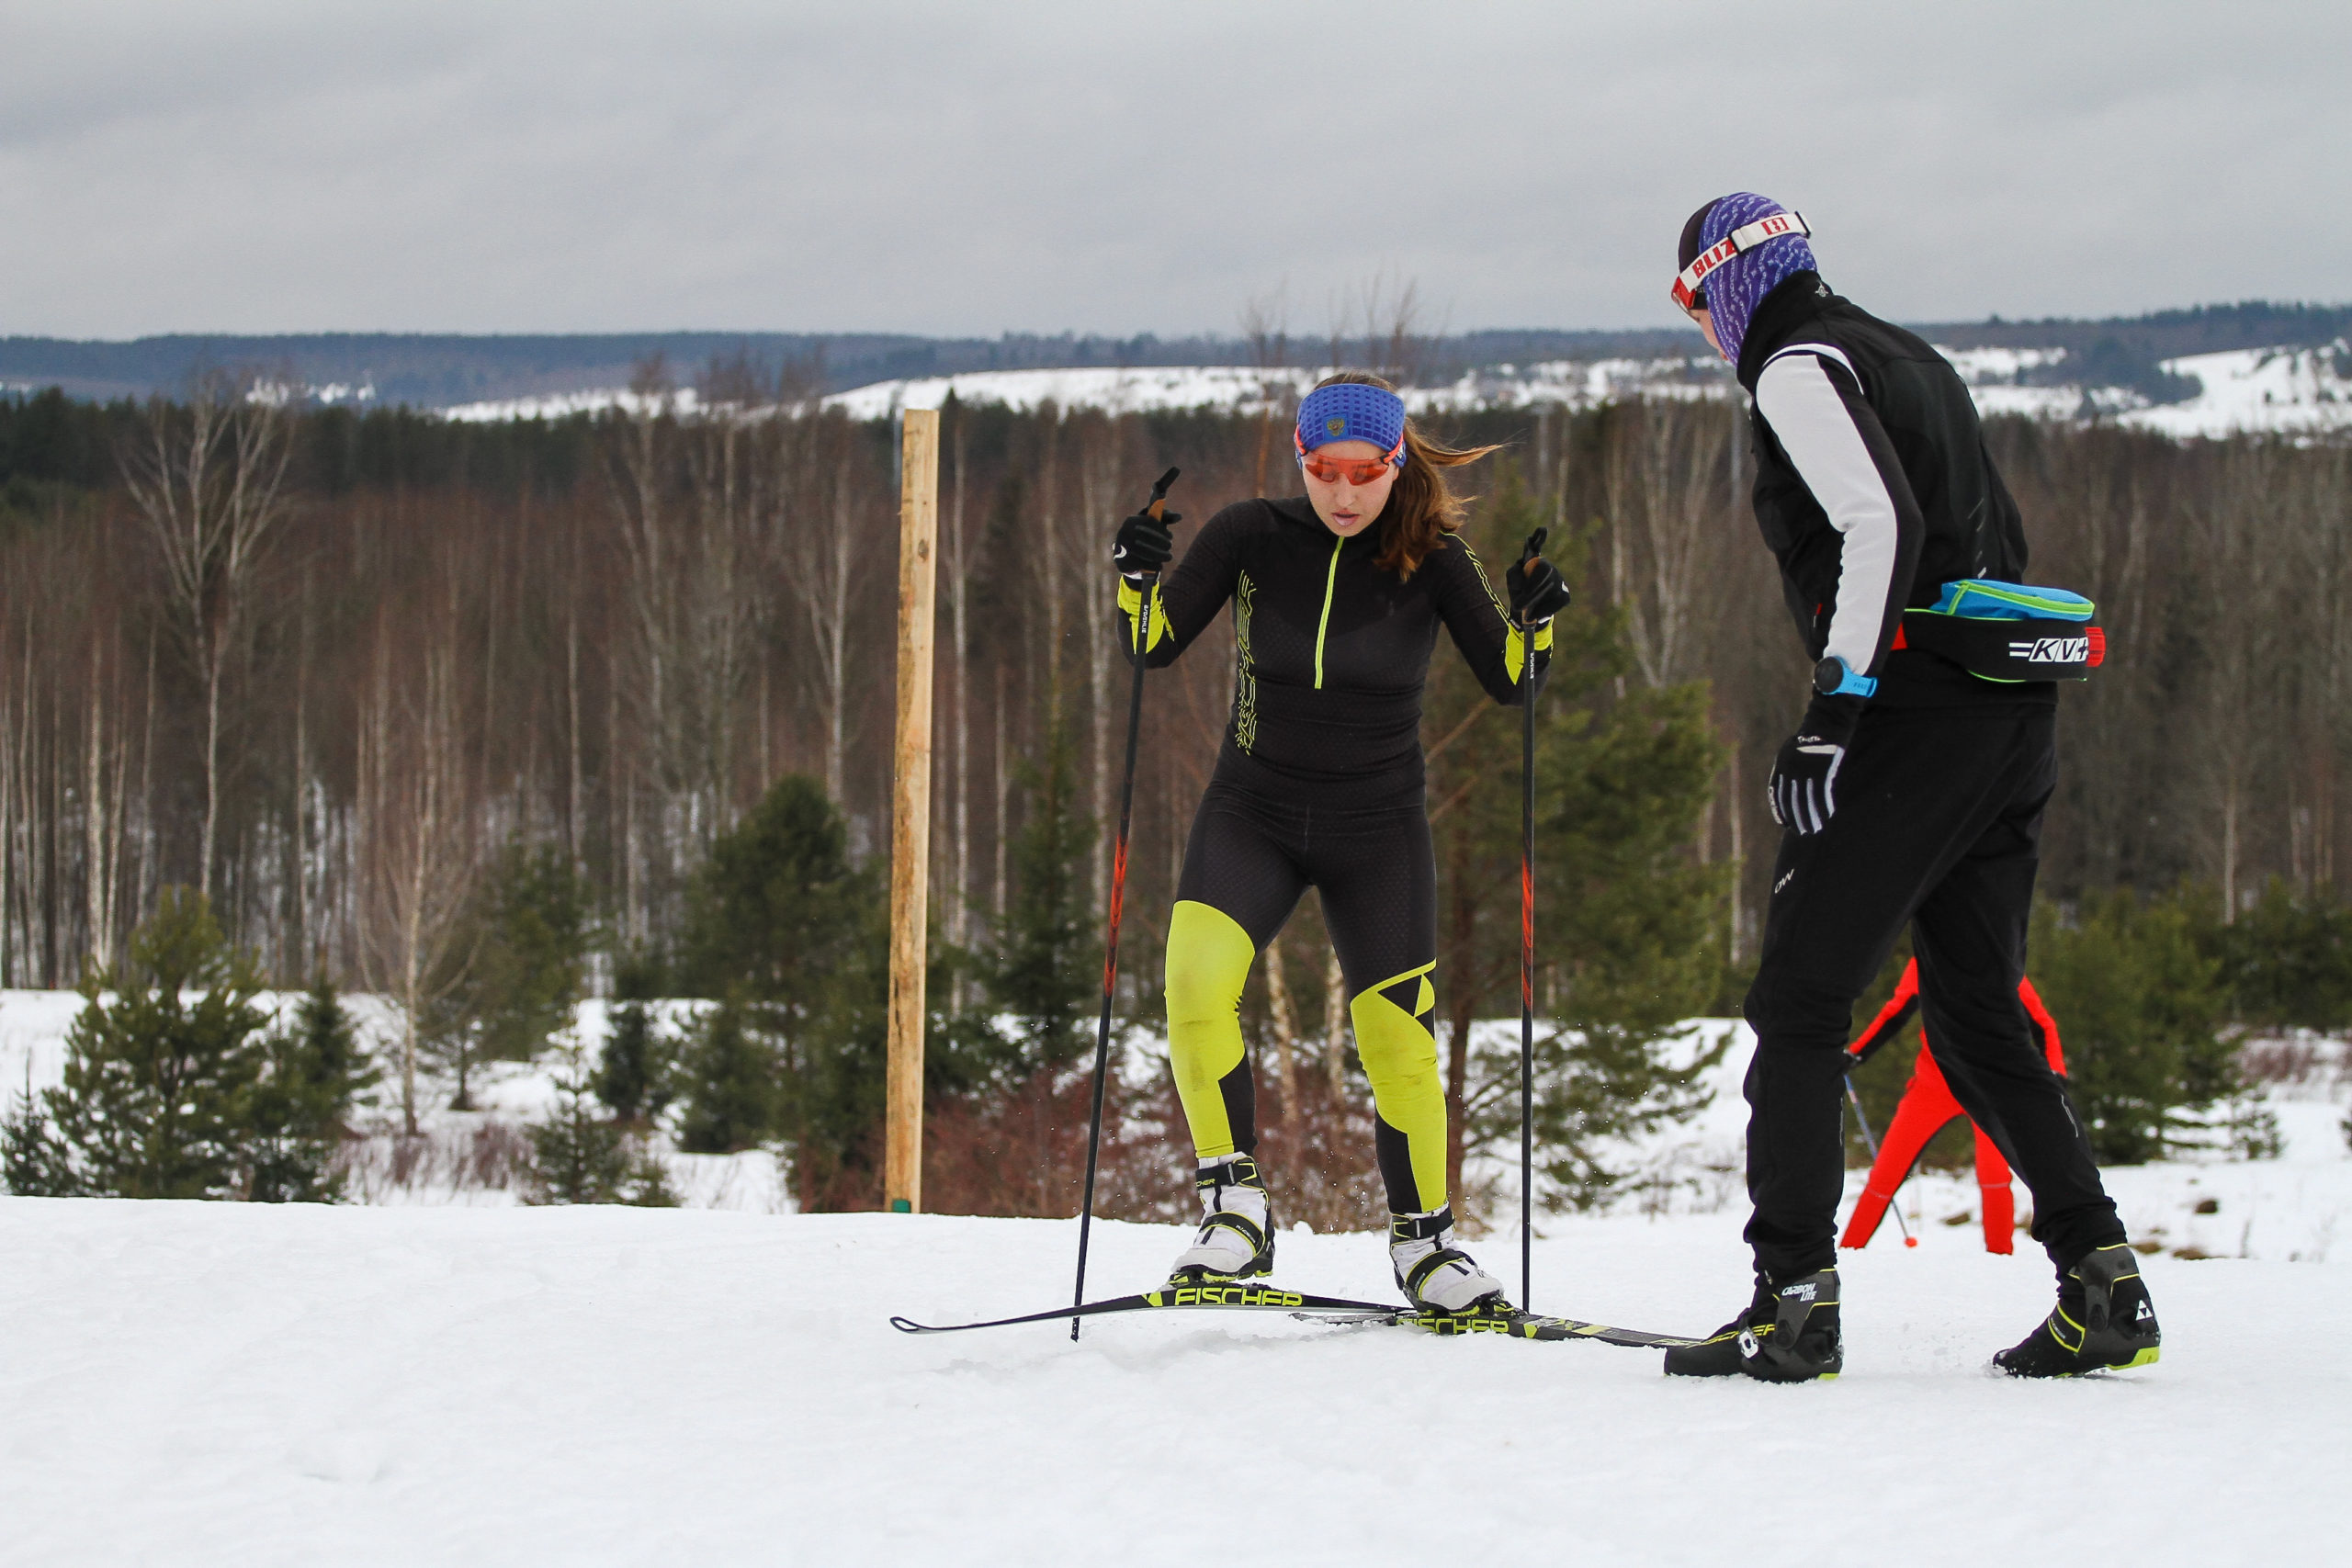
(911,807)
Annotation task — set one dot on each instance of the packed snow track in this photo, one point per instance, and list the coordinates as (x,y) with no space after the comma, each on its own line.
(224,1383)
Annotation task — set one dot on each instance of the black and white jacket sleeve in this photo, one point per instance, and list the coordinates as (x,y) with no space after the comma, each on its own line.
(1810,396)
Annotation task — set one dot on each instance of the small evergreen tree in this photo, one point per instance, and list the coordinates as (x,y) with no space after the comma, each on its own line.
(294,1115)
(730,1087)
(794,941)
(634,1074)
(1048,953)
(326,1053)
(525,954)
(636,1070)
(778,908)
(2286,963)
(578,1157)
(830,1102)
(2139,1008)
(162,1066)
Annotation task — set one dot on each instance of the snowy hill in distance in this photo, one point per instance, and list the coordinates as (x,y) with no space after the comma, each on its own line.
(2299,391)
(2254,366)
(2292,391)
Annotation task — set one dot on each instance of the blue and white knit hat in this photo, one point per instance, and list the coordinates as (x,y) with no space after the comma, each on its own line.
(1350,411)
(1734,253)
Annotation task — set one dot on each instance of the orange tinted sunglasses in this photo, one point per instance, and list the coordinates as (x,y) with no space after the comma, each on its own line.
(1332,470)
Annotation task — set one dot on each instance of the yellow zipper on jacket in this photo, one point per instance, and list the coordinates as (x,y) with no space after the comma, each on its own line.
(1330,582)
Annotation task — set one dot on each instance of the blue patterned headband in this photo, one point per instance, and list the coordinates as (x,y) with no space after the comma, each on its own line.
(1350,411)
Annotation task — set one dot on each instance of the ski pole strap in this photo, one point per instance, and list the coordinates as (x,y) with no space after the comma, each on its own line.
(1131,594)
(1515,645)
(2009,632)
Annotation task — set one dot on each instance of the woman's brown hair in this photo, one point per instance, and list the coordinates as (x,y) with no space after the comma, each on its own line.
(1422,509)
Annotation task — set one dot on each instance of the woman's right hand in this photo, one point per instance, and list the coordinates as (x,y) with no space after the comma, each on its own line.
(1143,544)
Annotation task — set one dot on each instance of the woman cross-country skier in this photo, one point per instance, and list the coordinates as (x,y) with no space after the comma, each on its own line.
(1337,600)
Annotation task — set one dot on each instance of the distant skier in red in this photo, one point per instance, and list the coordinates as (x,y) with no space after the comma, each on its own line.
(1928,1104)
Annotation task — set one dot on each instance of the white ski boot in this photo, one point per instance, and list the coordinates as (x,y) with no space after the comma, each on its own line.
(1236,1239)
(1434,1274)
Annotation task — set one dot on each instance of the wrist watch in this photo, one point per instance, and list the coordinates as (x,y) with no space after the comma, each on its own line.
(1833,677)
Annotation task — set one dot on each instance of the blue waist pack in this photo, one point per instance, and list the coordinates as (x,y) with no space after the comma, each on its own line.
(2007,632)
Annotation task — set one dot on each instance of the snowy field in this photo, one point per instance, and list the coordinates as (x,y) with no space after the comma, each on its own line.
(2297,392)
(220,1383)
(436,1382)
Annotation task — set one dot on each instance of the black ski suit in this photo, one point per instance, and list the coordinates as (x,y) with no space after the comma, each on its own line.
(1320,783)
(1873,489)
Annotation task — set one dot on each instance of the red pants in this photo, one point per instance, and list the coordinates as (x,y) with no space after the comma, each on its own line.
(1927,1105)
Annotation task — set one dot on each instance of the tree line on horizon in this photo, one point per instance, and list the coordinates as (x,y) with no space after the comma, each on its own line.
(378,687)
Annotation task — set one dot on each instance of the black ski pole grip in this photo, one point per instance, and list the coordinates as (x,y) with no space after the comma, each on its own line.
(1159,492)
(1532,554)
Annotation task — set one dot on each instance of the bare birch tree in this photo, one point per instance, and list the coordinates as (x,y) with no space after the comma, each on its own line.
(1663,504)
(209,479)
(418,843)
(830,511)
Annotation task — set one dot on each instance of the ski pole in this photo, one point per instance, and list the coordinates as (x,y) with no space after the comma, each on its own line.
(1527,943)
(1871,1144)
(1118,896)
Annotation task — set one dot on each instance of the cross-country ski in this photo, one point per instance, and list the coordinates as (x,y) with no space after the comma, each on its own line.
(1500,1318)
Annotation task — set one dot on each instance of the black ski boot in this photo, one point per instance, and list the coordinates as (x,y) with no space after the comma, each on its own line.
(1236,1240)
(1788,1334)
(2104,1319)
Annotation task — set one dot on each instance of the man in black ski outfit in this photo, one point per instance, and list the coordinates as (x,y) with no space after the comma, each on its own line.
(1912,793)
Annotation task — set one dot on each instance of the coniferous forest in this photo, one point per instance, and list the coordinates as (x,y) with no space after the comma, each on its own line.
(485,717)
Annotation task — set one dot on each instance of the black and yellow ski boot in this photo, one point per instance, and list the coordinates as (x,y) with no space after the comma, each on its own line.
(2103,1319)
(1788,1334)
(1236,1240)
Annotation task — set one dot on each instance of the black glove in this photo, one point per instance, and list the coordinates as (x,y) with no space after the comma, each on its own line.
(1805,775)
(1537,593)
(1143,544)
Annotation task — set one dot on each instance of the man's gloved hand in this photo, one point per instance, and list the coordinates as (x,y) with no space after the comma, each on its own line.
(1537,592)
(1805,775)
(1143,544)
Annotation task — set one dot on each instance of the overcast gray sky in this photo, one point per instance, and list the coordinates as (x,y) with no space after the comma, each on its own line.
(236,166)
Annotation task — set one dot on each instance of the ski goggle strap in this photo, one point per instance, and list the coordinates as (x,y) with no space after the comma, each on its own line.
(1745,238)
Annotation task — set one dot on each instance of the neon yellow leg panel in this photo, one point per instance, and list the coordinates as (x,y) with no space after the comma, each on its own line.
(1400,1058)
(1208,962)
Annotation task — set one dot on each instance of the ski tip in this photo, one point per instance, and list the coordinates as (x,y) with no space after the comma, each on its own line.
(909,1325)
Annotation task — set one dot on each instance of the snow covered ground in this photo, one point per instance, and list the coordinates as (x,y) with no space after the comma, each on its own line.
(199,1384)
(563,405)
(223,1384)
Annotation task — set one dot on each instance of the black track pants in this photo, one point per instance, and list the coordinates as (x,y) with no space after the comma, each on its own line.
(1248,859)
(1938,824)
